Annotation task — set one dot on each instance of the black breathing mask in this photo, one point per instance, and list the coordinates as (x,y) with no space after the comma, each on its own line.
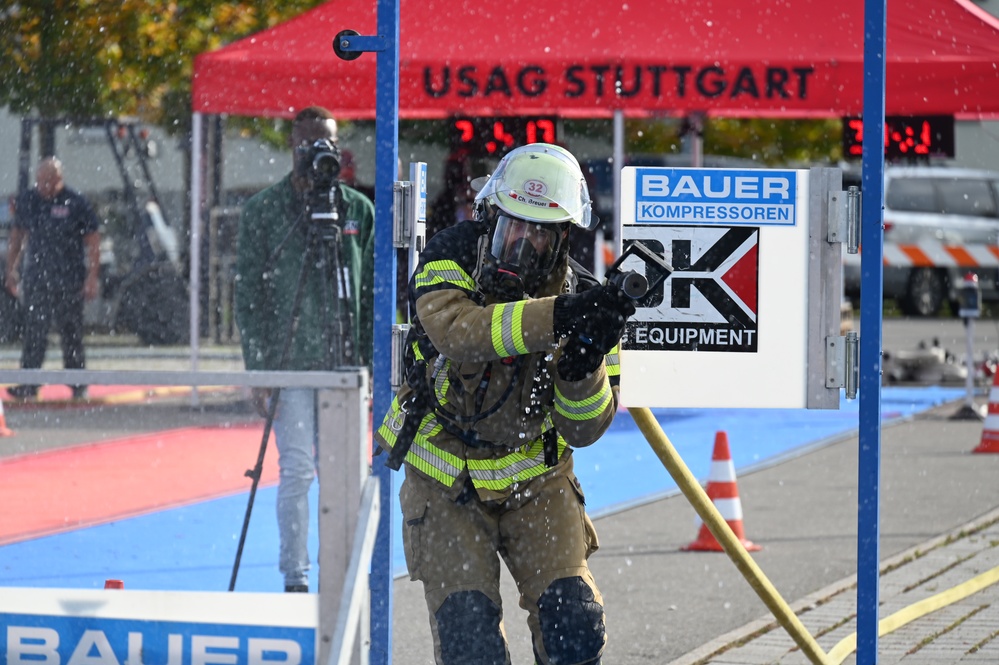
(520,255)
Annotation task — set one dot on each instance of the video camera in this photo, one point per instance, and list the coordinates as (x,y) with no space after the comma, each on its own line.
(320,163)
(322,160)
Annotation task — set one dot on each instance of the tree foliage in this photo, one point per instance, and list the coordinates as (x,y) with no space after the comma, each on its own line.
(109,58)
(765,140)
(769,141)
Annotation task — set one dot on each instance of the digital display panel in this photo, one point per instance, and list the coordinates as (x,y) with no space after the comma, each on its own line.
(905,136)
(499,135)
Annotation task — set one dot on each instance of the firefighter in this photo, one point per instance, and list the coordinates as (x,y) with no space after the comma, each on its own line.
(511,363)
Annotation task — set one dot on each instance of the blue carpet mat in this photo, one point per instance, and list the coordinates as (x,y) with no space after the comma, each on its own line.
(193,548)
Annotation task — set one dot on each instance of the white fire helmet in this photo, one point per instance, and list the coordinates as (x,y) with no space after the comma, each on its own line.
(535,194)
(540,183)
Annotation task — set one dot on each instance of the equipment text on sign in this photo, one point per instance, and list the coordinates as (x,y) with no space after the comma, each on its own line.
(709,301)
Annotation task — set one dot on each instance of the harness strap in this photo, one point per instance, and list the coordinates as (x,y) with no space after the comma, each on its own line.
(549,441)
(480,395)
(404,439)
(414,409)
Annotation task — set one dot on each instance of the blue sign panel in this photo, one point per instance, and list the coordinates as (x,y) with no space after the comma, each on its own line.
(51,640)
(750,197)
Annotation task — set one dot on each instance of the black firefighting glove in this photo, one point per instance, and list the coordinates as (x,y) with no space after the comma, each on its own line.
(595,317)
(578,360)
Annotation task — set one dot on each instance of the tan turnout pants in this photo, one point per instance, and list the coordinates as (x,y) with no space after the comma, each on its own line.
(544,536)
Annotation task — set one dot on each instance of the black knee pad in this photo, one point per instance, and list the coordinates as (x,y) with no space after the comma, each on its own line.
(572,622)
(468,625)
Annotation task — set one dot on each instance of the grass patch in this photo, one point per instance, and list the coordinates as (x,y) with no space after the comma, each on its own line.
(938,573)
(930,638)
(994,634)
(738,643)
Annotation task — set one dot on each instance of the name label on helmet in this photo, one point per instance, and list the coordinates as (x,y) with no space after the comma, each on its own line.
(538,203)
(715,196)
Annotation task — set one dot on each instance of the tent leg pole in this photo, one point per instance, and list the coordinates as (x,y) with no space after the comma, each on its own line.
(195,253)
(618,155)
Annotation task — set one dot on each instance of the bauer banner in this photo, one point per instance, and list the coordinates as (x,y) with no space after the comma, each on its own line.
(727,326)
(110,627)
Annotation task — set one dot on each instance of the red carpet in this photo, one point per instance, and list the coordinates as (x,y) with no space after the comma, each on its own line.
(60,490)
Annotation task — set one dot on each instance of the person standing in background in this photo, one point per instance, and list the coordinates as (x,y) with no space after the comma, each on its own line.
(53,258)
(274,237)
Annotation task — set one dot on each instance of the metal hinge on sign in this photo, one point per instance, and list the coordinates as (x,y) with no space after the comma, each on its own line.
(844,218)
(843,363)
(402,195)
(397,372)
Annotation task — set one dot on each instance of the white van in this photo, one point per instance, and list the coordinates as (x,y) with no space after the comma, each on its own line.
(926,205)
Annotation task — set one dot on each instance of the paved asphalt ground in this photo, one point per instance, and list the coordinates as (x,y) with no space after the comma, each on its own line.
(939,528)
(666,606)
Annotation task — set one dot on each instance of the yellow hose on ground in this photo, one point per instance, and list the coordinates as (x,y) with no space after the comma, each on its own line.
(705,508)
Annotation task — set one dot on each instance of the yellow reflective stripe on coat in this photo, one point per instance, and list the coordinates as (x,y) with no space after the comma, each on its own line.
(520,465)
(441,382)
(612,361)
(584,409)
(507,329)
(440,465)
(444,272)
(392,423)
(431,460)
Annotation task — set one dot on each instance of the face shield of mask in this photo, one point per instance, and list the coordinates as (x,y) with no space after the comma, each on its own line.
(530,248)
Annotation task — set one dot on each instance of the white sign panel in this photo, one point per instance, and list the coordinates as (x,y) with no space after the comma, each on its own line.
(52,626)
(727,327)
(418,175)
(418,231)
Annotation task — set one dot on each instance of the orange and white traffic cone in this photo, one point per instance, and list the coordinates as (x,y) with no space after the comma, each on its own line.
(990,430)
(724,493)
(4,430)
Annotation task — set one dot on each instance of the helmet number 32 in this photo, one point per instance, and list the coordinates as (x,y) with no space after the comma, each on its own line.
(535,188)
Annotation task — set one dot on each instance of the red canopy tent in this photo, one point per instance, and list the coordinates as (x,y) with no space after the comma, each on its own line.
(586,59)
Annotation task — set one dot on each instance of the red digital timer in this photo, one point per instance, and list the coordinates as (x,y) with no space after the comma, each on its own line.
(905,136)
(495,136)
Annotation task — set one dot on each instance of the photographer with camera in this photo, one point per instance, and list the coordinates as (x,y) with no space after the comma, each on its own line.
(304,302)
(511,363)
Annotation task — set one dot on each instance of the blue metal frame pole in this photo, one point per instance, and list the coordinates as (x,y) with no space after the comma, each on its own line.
(386,173)
(871,297)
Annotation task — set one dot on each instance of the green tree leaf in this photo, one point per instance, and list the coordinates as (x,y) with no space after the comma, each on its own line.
(111,58)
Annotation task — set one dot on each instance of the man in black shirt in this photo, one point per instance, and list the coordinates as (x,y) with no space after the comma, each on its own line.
(52,259)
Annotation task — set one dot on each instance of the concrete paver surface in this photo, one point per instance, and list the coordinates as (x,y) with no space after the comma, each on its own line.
(664,605)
